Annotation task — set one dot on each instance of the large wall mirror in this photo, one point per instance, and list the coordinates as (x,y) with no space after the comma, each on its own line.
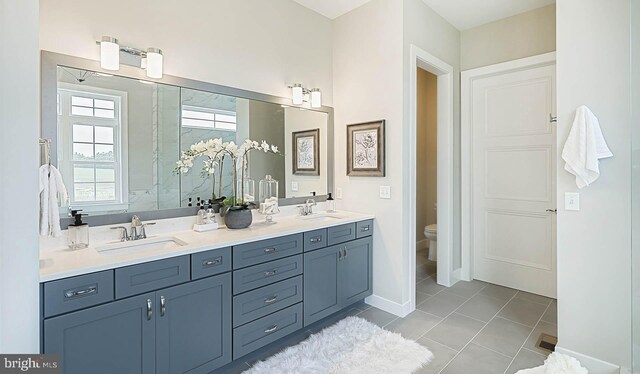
(116,139)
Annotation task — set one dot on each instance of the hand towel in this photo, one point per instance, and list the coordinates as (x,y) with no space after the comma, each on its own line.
(584,147)
(557,363)
(53,193)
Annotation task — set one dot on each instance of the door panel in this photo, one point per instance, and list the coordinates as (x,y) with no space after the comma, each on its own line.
(113,338)
(194,331)
(513,173)
(355,272)
(321,284)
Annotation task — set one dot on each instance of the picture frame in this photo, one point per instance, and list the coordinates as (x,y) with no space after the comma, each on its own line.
(366,149)
(306,152)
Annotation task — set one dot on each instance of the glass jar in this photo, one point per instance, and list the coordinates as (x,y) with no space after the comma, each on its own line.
(248,194)
(268,188)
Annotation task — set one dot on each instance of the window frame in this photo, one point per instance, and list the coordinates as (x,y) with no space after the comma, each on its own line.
(215,121)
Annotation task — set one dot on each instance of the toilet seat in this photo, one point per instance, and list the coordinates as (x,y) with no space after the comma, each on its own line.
(431,228)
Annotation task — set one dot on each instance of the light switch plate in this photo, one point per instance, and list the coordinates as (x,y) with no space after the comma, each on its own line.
(572,201)
(339,193)
(385,192)
(294,186)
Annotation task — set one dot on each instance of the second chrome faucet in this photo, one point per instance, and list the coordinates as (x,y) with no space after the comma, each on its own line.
(137,230)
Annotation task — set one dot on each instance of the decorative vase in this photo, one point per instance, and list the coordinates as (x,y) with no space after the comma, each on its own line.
(238,219)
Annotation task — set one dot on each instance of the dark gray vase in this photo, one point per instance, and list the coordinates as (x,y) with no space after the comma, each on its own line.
(238,219)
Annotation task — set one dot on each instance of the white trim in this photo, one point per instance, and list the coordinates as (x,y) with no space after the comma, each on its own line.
(400,310)
(424,60)
(594,365)
(466,147)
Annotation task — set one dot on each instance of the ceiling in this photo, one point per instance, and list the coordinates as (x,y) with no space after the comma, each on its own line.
(463,14)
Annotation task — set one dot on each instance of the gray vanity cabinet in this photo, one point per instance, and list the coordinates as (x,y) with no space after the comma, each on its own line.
(336,277)
(193,326)
(118,337)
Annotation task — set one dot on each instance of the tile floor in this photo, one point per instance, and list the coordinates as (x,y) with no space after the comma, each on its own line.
(472,325)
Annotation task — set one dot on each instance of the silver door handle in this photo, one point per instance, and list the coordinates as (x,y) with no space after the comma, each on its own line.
(149,309)
(552,210)
(271,299)
(217,261)
(552,119)
(163,306)
(340,255)
(317,239)
(70,294)
(269,250)
(270,273)
(271,329)
(366,228)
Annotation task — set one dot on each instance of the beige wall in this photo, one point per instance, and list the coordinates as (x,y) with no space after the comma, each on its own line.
(523,35)
(426,151)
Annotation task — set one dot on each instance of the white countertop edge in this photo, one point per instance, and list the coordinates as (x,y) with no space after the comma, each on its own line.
(81,260)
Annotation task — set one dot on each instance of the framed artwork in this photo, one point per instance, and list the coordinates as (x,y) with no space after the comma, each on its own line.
(306,152)
(365,149)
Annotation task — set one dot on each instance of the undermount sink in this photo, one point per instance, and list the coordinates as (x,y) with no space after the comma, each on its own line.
(321,217)
(154,243)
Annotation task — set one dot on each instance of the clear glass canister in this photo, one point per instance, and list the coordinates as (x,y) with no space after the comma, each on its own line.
(268,188)
(248,193)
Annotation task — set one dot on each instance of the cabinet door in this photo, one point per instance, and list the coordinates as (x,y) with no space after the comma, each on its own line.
(193,326)
(321,288)
(118,337)
(355,271)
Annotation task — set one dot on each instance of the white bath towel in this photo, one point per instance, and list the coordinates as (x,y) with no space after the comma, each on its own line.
(584,147)
(557,363)
(53,193)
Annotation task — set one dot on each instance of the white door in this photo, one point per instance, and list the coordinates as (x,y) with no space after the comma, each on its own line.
(514,179)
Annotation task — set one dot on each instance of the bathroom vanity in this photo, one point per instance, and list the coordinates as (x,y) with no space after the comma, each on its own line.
(201,305)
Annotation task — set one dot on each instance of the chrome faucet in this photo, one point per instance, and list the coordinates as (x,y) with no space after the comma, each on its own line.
(307,208)
(137,230)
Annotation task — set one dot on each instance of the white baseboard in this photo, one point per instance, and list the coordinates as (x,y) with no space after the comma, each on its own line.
(400,310)
(594,365)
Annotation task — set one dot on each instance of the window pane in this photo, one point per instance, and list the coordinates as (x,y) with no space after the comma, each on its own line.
(104,153)
(104,135)
(82,152)
(81,111)
(226,118)
(186,113)
(104,104)
(83,133)
(105,191)
(225,126)
(104,113)
(84,191)
(81,101)
(188,122)
(105,173)
(83,173)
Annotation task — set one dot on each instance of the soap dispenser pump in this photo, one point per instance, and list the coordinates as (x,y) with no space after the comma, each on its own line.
(78,231)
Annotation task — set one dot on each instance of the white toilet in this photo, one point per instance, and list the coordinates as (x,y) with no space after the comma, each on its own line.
(431,233)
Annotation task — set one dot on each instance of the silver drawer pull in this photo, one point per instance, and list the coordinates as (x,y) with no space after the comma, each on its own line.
(271,299)
(271,329)
(149,309)
(269,250)
(270,273)
(70,294)
(366,228)
(163,306)
(217,261)
(317,239)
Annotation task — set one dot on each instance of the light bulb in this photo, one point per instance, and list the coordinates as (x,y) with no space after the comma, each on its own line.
(109,53)
(316,98)
(154,63)
(297,94)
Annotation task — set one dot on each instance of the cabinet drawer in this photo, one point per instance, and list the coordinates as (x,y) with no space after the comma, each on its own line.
(258,303)
(364,228)
(209,263)
(66,295)
(266,330)
(315,239)
(266,250)
(341,234)
(136,279)
(256,276)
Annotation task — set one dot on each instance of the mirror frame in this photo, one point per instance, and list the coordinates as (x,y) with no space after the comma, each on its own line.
(49,84)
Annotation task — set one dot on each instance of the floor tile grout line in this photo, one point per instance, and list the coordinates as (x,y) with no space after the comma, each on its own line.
(493,350)
(532,351)
(527,339)
(478,333)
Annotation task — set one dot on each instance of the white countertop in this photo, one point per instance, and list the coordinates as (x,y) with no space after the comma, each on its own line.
(58,262)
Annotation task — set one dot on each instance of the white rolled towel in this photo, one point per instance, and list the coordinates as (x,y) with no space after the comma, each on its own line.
(557,363)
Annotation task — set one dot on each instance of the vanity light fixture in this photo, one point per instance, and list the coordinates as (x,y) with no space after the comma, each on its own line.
(151,60)
(301,95)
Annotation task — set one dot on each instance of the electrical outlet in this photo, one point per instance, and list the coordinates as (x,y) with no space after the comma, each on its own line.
(385,192)
(294,186)
(572,201)
(339,193)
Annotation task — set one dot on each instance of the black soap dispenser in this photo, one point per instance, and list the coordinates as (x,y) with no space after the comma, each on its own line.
(331,204)
(78,232)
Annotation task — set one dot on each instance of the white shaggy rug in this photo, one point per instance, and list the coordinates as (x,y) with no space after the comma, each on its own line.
(353,345)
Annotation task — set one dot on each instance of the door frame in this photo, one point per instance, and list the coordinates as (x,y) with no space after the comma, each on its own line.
(466,146)
(419,58)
